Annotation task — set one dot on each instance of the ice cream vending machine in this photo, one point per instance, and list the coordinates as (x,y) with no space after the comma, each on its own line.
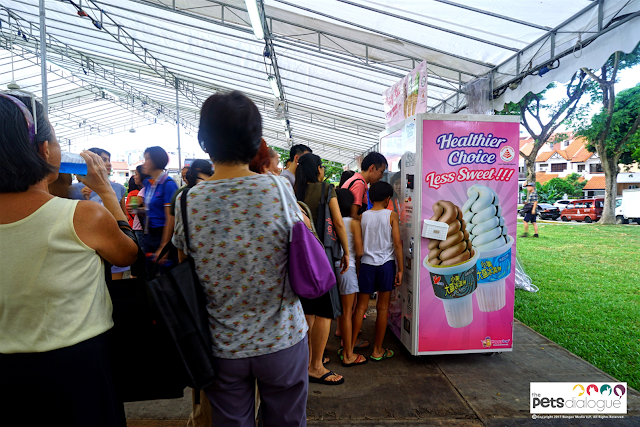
(455,180)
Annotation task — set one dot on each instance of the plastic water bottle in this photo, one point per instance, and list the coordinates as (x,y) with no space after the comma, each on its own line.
(72,163)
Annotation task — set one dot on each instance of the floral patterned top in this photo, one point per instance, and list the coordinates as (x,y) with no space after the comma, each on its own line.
(239,240)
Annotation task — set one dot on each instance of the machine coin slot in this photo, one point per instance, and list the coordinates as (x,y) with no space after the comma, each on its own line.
(410,182)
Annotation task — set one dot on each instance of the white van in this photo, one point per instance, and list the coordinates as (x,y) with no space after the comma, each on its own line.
(628,207)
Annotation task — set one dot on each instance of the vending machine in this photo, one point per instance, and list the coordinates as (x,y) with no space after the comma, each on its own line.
(455,178)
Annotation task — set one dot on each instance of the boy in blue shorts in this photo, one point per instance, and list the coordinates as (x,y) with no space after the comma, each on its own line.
(379,271)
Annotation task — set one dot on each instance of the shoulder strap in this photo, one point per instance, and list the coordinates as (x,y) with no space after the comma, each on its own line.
(354,181)
(285,205)
(323,195)
(183,210)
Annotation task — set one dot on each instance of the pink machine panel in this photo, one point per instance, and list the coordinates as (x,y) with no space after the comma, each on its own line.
(467,280)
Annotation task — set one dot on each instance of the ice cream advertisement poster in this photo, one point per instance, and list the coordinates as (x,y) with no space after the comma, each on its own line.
(469,202)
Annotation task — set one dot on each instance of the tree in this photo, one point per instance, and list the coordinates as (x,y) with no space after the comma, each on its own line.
(562,187)
(613,131)
(531,109)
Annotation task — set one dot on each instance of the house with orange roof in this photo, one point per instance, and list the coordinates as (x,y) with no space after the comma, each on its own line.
(559,159)
(119,172)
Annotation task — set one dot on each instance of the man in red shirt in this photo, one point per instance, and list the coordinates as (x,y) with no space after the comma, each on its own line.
(372,169)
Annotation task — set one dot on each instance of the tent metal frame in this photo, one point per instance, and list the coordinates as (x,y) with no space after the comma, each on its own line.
(136,78)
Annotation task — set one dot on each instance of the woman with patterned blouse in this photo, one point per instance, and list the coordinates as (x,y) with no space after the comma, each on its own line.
(239,241)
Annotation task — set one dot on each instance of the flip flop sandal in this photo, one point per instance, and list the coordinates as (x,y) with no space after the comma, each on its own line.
(323,379)
(386,355)
(361,345)
(340,353)
(356,363)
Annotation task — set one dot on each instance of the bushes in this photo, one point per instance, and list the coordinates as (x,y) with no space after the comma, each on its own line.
(555,189)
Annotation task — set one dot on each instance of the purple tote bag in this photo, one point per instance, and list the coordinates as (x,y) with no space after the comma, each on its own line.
(310,273)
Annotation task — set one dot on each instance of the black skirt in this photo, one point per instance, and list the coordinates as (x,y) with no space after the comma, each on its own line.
(328,305)
(69,387)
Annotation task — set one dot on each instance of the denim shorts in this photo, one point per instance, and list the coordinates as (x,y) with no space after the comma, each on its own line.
(377,278)
(529,217)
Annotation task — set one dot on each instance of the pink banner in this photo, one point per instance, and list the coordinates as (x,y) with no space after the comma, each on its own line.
(407,97)
(470,185)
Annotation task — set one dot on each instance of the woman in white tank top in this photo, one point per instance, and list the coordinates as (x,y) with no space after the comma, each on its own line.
(55,309)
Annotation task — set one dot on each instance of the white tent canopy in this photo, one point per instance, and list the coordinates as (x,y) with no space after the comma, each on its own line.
(120,65)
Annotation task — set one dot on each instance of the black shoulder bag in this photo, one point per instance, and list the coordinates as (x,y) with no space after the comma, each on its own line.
(145,364)
(324,225)
(181,302)
(362,208)
(328,236)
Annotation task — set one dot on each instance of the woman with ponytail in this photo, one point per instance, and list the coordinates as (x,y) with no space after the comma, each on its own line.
(320,311)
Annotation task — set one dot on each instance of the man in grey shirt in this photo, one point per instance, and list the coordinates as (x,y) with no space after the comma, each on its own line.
(294,154)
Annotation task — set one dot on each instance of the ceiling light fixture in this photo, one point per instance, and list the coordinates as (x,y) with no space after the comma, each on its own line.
(274,86)
(254,16)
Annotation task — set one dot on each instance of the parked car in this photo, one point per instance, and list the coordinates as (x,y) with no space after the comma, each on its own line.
(587,210)
(545,211)
(561,204)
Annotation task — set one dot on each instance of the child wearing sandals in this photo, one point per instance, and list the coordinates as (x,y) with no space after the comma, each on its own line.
(379,271)
(348,283)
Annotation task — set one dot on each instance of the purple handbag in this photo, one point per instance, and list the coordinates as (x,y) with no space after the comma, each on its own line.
(310,273)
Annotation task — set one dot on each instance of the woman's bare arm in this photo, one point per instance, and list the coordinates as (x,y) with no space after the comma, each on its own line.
(341,232)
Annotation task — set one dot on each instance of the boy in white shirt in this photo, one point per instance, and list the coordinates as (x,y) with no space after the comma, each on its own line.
(379,271)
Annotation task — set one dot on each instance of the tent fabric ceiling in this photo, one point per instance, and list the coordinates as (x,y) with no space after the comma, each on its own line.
(334,57)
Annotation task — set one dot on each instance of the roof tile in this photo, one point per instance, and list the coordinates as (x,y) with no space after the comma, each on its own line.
(543,177)
(544,156)
(595,183)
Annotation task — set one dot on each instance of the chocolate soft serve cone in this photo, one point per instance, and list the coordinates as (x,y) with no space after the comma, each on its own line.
(452,266)
(456,248)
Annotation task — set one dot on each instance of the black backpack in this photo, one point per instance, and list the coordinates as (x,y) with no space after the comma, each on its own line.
(363,207)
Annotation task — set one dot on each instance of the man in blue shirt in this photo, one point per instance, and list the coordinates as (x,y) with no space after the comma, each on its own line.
(79,191)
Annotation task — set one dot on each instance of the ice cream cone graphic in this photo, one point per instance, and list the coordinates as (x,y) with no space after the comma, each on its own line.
(452,266)
(488,234)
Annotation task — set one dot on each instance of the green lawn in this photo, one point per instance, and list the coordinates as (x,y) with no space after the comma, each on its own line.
(589,298)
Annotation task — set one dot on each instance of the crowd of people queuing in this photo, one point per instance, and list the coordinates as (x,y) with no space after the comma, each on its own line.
(55,310)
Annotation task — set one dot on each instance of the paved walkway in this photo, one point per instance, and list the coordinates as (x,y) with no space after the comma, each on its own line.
(450,390)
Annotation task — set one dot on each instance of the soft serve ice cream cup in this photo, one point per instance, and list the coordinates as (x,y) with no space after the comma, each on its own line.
(493,268)
(454,285)
(489,236)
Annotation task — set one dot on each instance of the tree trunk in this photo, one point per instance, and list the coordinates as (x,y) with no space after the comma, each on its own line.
(610,168)
(530,163)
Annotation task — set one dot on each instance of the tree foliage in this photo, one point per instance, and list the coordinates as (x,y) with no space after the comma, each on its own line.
(612,133)
(622,135)
(332,170)
(533,109)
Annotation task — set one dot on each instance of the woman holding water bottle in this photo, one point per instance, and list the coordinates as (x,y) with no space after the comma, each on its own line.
(56,310)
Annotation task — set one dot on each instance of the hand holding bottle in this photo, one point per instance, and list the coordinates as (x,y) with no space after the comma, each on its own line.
(97,178)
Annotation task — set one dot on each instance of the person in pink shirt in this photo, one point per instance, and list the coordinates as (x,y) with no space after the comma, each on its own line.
(372,169)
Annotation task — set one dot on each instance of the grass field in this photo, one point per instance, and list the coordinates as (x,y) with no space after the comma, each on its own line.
(589,298)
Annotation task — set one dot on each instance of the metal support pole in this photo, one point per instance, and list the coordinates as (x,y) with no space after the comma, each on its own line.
(178,125)
(43,57)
